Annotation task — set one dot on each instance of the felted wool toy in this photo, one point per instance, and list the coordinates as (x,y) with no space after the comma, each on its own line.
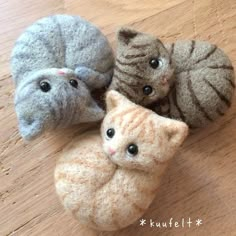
(112,185)
(192,81)
(47,97)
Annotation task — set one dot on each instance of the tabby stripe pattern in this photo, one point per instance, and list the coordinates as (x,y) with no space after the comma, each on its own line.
(122,114)
(172,48)
(230,81)
(63,46)
(132,56)
(151,131)
(46,43)
(192,47)
(171,52)
(140,46)
(126,63)
(22,70)
(123,89)
(220,95)
(121,80)
(132,64)
(137,121)
(128,74)
(221,67)
(124,80)
(214,47)
(133,115)
(196,101)
(174,97)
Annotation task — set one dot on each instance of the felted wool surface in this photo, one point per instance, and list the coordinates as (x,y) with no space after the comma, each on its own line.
(111,185)
(55,97)
(143,67)
(192,81)
(57,42)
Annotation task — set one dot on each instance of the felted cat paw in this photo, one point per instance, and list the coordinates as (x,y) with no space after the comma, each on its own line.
(93,79)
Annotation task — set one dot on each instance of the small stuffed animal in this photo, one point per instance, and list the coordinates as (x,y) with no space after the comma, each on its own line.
(143,70)
(111,185)
(50,44)
(53,97)
(192,81)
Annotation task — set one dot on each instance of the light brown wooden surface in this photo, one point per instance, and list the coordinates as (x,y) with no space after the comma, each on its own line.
(200,182)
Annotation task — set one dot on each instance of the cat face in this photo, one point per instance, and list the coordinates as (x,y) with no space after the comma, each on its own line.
(137,138)
(53,97)
(144,71)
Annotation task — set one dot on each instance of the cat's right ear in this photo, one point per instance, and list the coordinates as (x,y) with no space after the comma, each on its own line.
(176,132)
(115,99)
(125,35)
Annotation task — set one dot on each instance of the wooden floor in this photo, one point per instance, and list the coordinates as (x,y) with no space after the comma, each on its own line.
(200,182)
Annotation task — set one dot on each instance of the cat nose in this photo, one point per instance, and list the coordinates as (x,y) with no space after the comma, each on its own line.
(164,81)
(111,151)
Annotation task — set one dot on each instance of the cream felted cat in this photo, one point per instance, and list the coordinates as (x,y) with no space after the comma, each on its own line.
(108,181)
(192,81)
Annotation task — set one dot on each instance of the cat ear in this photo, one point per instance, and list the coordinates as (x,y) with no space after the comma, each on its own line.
(115,99)
(92,113)
(125,35)
(176,132)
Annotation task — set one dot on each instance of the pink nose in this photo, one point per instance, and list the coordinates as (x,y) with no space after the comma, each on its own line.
(164,81)
(111,151)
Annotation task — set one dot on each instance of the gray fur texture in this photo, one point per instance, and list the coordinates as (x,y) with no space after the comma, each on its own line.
(50,44)
(62,105)
(193,82)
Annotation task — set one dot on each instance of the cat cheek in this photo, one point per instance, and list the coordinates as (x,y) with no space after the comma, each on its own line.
(105,148)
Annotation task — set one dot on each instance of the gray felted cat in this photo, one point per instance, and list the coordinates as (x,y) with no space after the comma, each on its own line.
(192,81)
(48,96)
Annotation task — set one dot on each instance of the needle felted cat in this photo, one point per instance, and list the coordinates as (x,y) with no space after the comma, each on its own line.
(144,69)
(55,97)
(192,81)
(50,44)
(111,185)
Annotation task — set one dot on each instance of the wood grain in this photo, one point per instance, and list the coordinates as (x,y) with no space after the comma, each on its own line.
(200,182)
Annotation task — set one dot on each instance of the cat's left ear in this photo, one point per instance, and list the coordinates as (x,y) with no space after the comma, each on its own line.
(92,113)
(125,35)
(115,99)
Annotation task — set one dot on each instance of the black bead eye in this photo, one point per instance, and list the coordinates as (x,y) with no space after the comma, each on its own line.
(110,133)
(154,63)
(147,90)
(74,83)
(45,86)
(132,149)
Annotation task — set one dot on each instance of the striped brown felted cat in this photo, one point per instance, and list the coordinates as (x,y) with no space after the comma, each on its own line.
(108,182)
(199,77)
(46,99)
(143,70)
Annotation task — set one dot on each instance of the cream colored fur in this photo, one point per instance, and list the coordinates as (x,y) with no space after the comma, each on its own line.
(100,182)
